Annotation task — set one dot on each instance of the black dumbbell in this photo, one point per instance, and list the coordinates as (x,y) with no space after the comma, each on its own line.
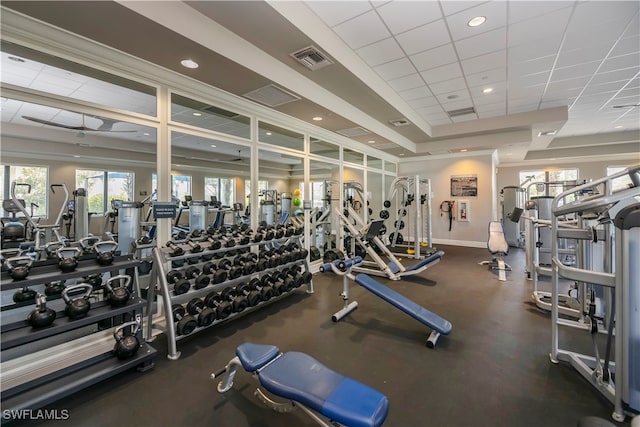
(196,234)
(218,275)
(307,277)
(195,247)
(180,235)
(175,249)
(281,282)
(265,289)
(185,323)
(285,257)
(253,296)
(202,279)
(214,243)
(233,271)
(238,301)
(180,284)
(204,315)
(223,307)
(246,263)
(269,234)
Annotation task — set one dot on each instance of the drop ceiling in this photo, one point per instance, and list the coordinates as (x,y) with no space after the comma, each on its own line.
(533,66)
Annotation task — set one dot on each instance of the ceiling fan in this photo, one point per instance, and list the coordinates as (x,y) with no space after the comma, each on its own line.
(239,158)
(106,126)
(627,106)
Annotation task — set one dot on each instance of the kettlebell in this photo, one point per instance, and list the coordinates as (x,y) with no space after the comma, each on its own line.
(42,315)
(68,259)
(54,288)
(87,243)
(23,295)
(118,295)
(78,306)
(19,266)
(127,345)
(52,248)
(105,251)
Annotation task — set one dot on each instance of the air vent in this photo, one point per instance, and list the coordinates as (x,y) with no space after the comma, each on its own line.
(461,112)
(400,122)
(312,58)
(271,96)
(547,133)
(352,132)
(220,112)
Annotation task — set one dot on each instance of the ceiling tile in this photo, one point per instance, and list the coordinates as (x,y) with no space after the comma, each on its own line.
(497,87)
(612,76)
(554,25)
(434,109)
(593,33)
(633,29)
(621,62)
(490,41)
(529,80)
(534,49)
(465,118)
(380,52)
(434,57)
(521,10)
(457,104)
(629,92)
(401,16)
(423,38)
(578,56)
(625,46)
(553,103)
(523,102)
(448,86)
(407,82)
(462,96)
(487,78)
(335,12)
(531,92)
(610,88)
(362,30)
(492,107)
(410,94)
(494,11)
(451,7)
(485,62)
(491,98)
(491,113)
(427,101)
(532,66)
(588,12)
(439,74)
(395,69)
(522,108)
(581,70)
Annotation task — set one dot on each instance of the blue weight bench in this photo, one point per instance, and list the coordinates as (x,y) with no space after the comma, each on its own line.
(438,325)
(330,398)
(419,267)
(499,248)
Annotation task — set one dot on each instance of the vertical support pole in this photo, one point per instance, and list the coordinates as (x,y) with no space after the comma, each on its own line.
(554,289)
(429,217)
(163,163)
(417,238)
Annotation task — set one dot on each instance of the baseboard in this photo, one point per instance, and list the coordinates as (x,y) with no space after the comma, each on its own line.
(467,243)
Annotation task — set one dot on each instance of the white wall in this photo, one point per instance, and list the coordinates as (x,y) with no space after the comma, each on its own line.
(482,207)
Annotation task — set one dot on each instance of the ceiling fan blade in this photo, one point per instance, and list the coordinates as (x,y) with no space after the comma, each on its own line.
(59,125)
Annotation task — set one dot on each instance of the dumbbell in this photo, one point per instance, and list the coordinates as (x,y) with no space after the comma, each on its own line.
(202,280)
(246,262)
(289,231)
(256,236)
(215,301)
(196,234)
(195,247)
(265,289)
(285,257)
(180,284)
(238,301)
(175,249)
(296,279)
(233,271)
(269,234)
(180,235)
(307,277)
(214,243)
(281,283)
(204,315)
(253,296)
(185,323)
(279,233)
(218,275)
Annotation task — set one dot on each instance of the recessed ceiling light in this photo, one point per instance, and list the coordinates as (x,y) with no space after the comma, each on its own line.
(317,118)
(453,97)
(553,159)
(618,127)
(509,154)
(478,20)
(146,133)
(213,146)
(189,63)
(402,154)
(16,59)
(197,114)
(371,141)
(76,156)
(548,133)
(463,150)
(268,133)
(487,90)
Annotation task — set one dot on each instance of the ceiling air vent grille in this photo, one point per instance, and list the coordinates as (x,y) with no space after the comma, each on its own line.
(271,96)
(352,132)
(400,122)
(312,58)
(461,112)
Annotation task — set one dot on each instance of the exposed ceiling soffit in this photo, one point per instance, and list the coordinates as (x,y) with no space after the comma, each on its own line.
(301,16)
(494,140)
(557,114)
(217,38)
(596,139)
(632,149)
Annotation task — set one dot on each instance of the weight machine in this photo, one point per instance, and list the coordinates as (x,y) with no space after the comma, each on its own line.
(618,215)
(413,195)
(366,236)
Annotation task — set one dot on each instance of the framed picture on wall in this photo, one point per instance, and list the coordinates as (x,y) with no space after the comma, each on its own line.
(464,186)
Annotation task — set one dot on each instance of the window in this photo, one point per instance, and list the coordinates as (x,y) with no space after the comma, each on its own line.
(550,183)
(36,176)
(262,186)
(104,186)
(180,185)
(317,194)
(223,189)
(620,183)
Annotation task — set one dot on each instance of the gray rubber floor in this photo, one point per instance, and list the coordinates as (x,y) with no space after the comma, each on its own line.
(492,370)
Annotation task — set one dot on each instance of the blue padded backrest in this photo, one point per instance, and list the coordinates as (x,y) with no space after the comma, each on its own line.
(255,356)
(497,244)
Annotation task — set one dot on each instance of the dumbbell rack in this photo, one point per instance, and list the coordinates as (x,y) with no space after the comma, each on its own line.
(42,365)
(162,260)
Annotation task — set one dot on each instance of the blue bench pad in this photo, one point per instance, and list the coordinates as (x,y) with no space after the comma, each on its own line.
(404,304)
(301,378)
(428,260)
(255,356)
